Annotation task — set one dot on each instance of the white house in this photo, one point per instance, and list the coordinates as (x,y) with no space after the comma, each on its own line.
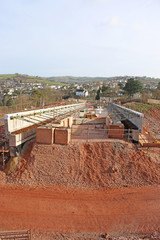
(137,95)
(11,90)
(81,92)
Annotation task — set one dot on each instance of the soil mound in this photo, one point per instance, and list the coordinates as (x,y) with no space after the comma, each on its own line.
(94,165)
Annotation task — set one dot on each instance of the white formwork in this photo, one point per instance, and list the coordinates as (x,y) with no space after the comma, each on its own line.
(135,117)
(22,120)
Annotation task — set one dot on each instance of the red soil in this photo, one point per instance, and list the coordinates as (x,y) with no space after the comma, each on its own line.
(117,212)
(153,118)
(77,192)
(90,165)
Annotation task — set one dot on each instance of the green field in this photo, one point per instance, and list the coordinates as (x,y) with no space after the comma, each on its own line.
(63,80)
(29,79)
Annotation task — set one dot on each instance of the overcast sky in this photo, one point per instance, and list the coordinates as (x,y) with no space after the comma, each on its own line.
(80,37)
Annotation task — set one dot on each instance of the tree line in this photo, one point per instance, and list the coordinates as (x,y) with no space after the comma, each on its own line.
(131,87)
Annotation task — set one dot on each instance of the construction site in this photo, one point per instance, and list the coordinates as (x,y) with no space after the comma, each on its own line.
(80,171)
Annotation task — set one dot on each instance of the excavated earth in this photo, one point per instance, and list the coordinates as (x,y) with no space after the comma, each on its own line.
(90,165)
(151,116)
(101,190)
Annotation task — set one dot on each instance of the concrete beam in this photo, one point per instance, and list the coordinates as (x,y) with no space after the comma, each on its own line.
(135,117)
(17,121)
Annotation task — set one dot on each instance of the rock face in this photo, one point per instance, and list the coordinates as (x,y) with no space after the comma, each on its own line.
(90,165)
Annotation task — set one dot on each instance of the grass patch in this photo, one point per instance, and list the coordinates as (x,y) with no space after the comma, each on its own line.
(30,79)
(143,107)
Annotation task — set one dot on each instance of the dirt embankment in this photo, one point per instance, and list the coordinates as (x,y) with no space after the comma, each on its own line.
(151,115)
(90,165)
(153,118)
(63,210)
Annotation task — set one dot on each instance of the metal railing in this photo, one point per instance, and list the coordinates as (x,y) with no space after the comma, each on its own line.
(94,133)
(91,133)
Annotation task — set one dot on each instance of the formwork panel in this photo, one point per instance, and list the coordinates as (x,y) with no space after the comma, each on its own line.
(19,138)
(62,136)
(44,135)
(107,121)
(116,131)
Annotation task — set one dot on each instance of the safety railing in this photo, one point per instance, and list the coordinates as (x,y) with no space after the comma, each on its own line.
(97,133)
(93,133)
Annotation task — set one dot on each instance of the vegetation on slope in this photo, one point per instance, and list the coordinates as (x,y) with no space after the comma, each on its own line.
(143,107)
(28,79)
(71,79)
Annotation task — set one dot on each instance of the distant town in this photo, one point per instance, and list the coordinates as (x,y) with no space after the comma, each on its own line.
(24,91)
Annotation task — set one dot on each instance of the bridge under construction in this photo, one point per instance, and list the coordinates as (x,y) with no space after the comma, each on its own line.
(58,123)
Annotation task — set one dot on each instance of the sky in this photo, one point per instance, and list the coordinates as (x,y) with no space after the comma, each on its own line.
(96,38)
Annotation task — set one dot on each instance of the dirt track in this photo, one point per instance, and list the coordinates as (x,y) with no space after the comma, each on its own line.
(134,210)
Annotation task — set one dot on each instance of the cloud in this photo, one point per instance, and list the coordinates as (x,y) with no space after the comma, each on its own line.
(114,21)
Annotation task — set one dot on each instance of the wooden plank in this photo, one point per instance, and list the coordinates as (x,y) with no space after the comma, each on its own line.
(19,235)
(145,142)
(6,151)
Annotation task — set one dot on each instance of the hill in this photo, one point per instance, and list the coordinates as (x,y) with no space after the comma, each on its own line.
(61,80)
(71,79)
(28,79)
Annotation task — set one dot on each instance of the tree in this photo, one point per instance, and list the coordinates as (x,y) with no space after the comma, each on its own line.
(37,97)
(9,102)
(98,95)
(146,94)
(158,86)
(156,94)
(5,91)
(120,85)
(5,99)
(104,88)
(132,86)
(110,92)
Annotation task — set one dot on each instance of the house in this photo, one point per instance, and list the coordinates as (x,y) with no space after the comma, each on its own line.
(108,99)
(137,95)
(10,91)
(81,92)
